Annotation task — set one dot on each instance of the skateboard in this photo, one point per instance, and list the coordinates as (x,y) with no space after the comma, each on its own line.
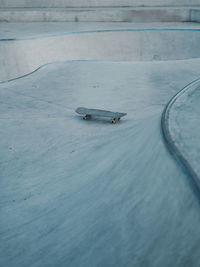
(89,113)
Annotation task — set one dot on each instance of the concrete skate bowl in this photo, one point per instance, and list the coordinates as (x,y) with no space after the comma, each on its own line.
(92,193)
(19,57)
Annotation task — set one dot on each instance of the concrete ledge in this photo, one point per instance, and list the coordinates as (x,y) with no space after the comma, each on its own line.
(95,14)
(95,3)
(181,129)
(45,29)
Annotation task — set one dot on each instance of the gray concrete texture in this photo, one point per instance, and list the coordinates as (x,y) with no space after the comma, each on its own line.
(30,30)
(95,3)
(182,121)
(115,45)
(89,193)
(128,14)
(195,15)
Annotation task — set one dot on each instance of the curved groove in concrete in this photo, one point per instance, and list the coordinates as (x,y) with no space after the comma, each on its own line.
(42,66)
(170,140)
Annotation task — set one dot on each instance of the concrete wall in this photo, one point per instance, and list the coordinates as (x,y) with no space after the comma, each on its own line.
(195,15)
(160,14)
(96,3)
(23,56)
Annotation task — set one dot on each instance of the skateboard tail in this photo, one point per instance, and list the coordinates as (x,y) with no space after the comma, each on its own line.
(81,110)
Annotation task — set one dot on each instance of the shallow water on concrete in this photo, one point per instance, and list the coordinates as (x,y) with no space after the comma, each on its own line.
(89,193)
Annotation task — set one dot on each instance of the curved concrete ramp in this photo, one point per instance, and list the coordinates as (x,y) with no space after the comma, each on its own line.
(19,57)
(89,193)
(180,123)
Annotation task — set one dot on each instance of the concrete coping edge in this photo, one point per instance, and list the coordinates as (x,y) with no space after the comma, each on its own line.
(193,177)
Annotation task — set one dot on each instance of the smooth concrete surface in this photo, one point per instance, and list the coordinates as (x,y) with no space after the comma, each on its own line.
(182,119)
(95,3)
(89,193)
(128,14)
(115,45)
(37,29)
(195,15)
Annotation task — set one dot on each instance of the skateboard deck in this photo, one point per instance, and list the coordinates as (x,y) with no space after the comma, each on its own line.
(88,113)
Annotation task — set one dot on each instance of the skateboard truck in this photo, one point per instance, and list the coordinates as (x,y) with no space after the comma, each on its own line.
(86,117)
(115,119)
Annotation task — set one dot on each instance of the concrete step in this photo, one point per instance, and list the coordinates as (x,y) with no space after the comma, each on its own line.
(142,14)
(95,3)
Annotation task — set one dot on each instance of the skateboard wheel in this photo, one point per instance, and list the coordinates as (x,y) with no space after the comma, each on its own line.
(113,121)
(84,118)
(118,119)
